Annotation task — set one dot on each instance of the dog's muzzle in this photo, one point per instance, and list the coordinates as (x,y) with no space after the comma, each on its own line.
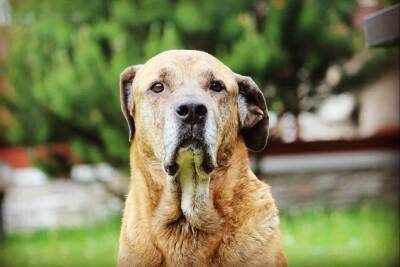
(190,117)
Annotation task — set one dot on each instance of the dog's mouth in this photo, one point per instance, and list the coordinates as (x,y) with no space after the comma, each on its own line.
(196,145)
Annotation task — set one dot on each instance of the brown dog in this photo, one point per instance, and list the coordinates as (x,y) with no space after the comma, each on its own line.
(193,199)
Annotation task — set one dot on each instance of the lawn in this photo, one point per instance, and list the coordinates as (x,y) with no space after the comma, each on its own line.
(364,235)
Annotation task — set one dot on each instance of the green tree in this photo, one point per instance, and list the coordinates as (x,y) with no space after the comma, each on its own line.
(66,57)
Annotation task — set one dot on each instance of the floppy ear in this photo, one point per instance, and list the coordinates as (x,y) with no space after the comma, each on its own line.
(126,96)
(253,114)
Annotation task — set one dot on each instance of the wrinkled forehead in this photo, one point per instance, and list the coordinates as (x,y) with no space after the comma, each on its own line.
(179,67)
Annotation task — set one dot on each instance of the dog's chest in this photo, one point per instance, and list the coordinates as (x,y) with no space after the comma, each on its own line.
(189,246)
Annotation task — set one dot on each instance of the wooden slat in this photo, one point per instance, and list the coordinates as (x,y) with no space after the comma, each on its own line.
(384,141)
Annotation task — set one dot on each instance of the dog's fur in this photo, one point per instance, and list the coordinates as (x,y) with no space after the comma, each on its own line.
(211,210)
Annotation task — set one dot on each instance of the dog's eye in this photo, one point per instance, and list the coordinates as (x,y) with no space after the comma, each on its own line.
(157,87)
(216,86)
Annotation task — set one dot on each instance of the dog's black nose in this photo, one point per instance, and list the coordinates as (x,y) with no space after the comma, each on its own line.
(191,112)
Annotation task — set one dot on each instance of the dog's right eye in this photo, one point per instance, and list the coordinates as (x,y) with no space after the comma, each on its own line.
(157,87)
(216,86)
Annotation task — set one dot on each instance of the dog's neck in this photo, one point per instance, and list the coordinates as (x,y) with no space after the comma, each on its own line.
(194,186)
(191,194)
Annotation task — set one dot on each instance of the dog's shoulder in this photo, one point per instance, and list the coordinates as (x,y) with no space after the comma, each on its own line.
(256,234)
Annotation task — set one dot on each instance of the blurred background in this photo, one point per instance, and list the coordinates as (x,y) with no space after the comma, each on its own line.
(333,155)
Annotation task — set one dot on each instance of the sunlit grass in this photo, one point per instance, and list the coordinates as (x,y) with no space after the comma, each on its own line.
(91,246)
(365,235)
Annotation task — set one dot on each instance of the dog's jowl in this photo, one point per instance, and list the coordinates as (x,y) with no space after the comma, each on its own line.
(193,199)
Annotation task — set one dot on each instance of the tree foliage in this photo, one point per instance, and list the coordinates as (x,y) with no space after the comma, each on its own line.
(66,56)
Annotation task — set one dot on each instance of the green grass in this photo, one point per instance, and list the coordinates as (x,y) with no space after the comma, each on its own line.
(91,246)
(365,235)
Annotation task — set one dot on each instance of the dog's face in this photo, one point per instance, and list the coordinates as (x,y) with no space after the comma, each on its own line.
(188,100)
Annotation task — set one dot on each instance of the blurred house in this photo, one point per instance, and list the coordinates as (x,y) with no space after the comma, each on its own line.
(339,159)
(376,105)
(379,105)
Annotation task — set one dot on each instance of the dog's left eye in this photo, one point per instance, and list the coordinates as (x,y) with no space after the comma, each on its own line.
(157,87)
(216,86)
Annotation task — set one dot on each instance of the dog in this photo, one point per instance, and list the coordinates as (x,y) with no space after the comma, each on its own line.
(193,199)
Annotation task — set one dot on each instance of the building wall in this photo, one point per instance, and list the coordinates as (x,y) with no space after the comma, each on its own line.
(379,105)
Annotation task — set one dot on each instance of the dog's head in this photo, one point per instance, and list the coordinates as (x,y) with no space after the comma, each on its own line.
(188,100)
